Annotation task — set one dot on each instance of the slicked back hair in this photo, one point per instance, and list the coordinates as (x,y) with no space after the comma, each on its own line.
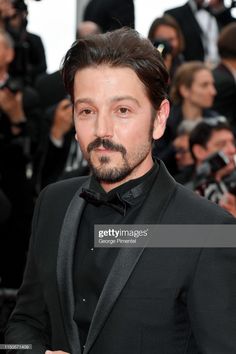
(122,48)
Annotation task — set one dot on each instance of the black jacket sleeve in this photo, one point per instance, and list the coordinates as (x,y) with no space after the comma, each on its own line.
(29,321)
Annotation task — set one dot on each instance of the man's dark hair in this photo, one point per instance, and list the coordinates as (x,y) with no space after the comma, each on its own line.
(227,41)
(203,132)
(123,48)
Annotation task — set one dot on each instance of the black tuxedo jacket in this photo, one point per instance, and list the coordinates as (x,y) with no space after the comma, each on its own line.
(154,300)
(110,14)
(191,30)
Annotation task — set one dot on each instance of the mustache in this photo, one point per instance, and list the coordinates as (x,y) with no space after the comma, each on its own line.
(106,144)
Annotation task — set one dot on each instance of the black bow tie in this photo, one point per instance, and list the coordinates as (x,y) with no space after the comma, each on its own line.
(115,201)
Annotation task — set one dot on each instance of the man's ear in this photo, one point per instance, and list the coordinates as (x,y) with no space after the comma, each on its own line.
(199,152)
(76,137)
(160,119)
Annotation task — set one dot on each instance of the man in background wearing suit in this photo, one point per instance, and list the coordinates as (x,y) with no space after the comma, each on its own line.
(110,14)
(79,299)
(200,22)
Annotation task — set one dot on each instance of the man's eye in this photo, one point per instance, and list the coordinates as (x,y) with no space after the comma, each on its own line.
(85,112)
(123,110)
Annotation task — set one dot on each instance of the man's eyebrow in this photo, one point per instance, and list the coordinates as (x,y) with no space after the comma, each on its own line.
(121,98)
(113,99)
(83,100)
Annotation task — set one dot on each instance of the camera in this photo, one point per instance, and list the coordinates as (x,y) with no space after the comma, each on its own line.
(212,164)
(163,46)
(230,182)
(205,174)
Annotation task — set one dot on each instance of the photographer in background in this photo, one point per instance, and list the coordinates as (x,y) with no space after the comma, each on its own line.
(212,145)
(30,60)
(20,126)
(166,36)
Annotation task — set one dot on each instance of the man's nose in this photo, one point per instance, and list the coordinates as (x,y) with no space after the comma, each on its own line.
(104,126)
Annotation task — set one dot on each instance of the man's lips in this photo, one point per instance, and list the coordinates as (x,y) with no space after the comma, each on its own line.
(102,149)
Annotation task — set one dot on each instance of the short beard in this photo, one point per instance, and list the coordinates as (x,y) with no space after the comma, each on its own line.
(110,175)
(115,174)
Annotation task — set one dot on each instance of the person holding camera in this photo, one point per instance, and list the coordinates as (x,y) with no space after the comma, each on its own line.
(166,36)
(19,137)
(212,145)
(29,61)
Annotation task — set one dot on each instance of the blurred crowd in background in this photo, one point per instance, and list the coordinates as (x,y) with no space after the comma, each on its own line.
(198,44)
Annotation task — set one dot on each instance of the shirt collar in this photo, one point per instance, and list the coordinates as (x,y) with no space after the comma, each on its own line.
(131,189)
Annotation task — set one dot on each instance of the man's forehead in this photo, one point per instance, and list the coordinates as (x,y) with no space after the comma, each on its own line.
(105,67)
(117,83)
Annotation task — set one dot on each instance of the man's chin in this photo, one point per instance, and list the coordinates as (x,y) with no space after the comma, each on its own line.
(109,174)
(103,163)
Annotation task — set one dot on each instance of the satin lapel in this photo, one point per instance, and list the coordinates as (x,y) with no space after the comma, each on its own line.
(65,267)
(117,278)
(152,212)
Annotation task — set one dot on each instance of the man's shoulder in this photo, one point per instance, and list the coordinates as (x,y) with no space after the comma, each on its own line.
(70,185)
(62,192)
(188,207)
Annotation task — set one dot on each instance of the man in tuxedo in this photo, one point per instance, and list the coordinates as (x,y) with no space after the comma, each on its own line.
(200,22)
(76,298)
